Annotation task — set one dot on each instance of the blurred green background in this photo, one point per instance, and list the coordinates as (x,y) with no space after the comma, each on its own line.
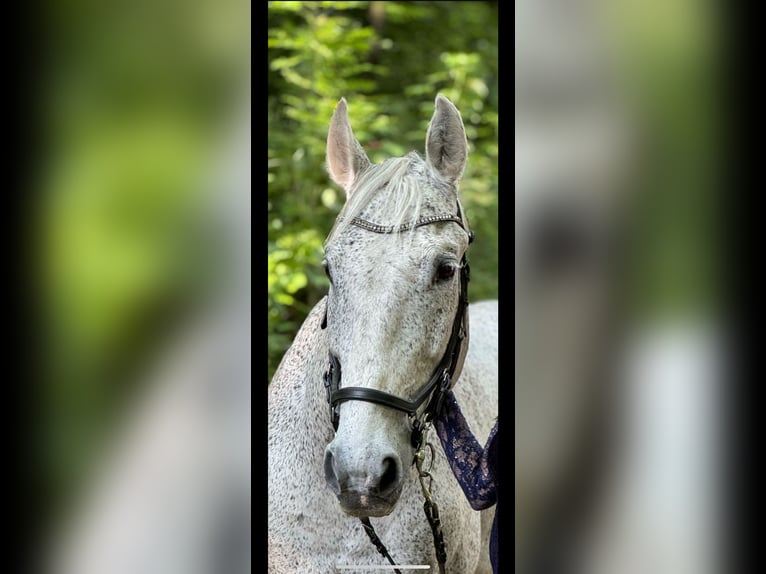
(669,57)
(389,60)
(134,101)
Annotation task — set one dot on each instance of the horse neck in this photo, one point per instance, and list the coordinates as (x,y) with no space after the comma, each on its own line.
(297,400)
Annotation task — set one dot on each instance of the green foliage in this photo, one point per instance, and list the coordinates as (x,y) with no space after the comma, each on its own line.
(389,60)
(292,268)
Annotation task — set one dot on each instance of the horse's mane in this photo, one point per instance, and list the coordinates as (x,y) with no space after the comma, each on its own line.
(398,182)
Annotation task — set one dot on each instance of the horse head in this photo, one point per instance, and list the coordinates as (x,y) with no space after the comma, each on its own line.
(394,315)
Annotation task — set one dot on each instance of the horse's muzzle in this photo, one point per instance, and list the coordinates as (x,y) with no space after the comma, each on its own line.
(361,505)
(370,491)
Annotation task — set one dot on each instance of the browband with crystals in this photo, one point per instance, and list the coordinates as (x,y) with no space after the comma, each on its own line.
(377,228)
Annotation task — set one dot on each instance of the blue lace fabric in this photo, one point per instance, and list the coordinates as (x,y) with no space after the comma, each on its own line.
(474,467)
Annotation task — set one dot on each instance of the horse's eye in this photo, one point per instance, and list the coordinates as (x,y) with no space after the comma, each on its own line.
(445,272)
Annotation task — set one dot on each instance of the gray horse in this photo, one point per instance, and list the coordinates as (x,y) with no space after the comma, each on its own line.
(387,323)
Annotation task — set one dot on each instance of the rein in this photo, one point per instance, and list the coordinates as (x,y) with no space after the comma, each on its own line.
(435,388)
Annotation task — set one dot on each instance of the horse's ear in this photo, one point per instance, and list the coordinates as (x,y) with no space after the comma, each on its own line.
(345,156)
(446,144)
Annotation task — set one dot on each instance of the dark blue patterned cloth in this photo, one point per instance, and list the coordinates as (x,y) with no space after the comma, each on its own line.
(474,467)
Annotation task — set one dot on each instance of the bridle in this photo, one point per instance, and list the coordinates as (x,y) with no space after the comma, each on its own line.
(444,373)
(434,389)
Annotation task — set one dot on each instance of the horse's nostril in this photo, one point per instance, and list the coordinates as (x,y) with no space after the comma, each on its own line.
(329,473)
(390,474)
